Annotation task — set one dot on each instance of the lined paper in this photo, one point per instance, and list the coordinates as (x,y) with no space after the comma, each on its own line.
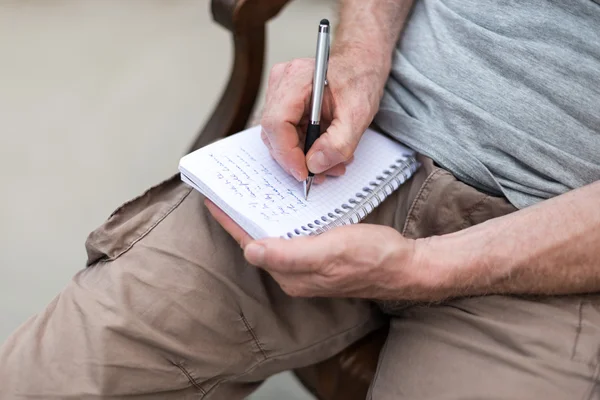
(240,176)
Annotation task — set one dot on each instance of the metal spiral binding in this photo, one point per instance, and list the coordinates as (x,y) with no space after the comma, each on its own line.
(363,203)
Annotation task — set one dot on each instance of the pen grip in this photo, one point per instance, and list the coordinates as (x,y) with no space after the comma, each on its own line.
(312,134)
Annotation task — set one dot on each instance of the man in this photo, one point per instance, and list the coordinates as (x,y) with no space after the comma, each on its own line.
(486,263)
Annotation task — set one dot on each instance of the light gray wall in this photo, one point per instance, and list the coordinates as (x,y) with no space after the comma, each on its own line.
(98,100)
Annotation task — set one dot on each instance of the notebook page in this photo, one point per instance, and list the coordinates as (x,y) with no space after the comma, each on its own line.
(241,174)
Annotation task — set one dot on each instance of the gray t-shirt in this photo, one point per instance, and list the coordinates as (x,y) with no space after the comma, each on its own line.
(504,94)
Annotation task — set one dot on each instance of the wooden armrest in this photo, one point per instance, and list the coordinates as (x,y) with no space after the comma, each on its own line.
(246,20)
(242,15)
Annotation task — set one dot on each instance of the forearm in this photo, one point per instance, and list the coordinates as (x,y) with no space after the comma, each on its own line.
(550,248)
(369,30)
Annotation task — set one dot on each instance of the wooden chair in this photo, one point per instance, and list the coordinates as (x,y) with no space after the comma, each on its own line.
(347,375)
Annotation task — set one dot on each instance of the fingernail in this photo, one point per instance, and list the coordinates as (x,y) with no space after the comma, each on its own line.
(318,162)
(254,253)
(296,174)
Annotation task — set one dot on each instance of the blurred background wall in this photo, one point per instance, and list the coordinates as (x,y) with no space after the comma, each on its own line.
(98,101)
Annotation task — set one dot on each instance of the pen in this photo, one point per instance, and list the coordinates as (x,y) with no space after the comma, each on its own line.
(319,81)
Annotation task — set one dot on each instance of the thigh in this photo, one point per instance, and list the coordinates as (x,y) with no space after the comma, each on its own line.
(168,308)
(493,347)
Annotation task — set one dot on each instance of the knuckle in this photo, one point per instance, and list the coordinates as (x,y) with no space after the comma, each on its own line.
(290,290)
(297,65)
(360,113)
(274,155)
(344,147)
(292,67)
(276,72)
(268,123)
(264,137)
(275,258)
(363,113)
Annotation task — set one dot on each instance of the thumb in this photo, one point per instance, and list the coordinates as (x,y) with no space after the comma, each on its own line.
(299,255)
(336,145)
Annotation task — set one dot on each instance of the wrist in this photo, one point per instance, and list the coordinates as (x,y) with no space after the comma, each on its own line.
(451,266)
(417,274)
(356,50)
(364,59)
(464,263)
(433,274)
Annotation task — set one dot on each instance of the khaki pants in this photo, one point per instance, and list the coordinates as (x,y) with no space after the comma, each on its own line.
(168,309)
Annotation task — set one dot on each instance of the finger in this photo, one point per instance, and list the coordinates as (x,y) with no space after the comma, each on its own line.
(337,170)
(296,285)
(228,224)
(298,255)
(283,255)
(265,139)
(335,146)
(319,178)
(286,106)
(275,76)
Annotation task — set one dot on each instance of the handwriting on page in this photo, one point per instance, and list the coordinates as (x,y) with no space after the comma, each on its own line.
(254,185)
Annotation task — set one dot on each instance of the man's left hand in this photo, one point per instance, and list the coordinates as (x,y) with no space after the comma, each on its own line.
(361,261)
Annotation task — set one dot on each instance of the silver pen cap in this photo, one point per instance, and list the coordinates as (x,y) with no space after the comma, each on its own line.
(320,74)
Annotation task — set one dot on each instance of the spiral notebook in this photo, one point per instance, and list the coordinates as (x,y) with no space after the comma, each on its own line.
(238,174)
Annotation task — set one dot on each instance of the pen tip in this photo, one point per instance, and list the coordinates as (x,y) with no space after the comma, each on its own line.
(324,21)
(307,185)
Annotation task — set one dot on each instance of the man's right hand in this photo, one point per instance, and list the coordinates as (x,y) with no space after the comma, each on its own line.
(350,101)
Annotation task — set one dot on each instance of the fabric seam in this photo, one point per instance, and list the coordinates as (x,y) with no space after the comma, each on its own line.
(258,364)
(471,210)
(410,215)
(594,383)
(382,356)
(190,378)
(254,337)
(578,329)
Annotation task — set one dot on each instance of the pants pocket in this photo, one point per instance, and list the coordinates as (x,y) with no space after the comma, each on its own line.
(134,219)
(586,348)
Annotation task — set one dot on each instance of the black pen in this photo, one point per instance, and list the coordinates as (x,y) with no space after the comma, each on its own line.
(319,81)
